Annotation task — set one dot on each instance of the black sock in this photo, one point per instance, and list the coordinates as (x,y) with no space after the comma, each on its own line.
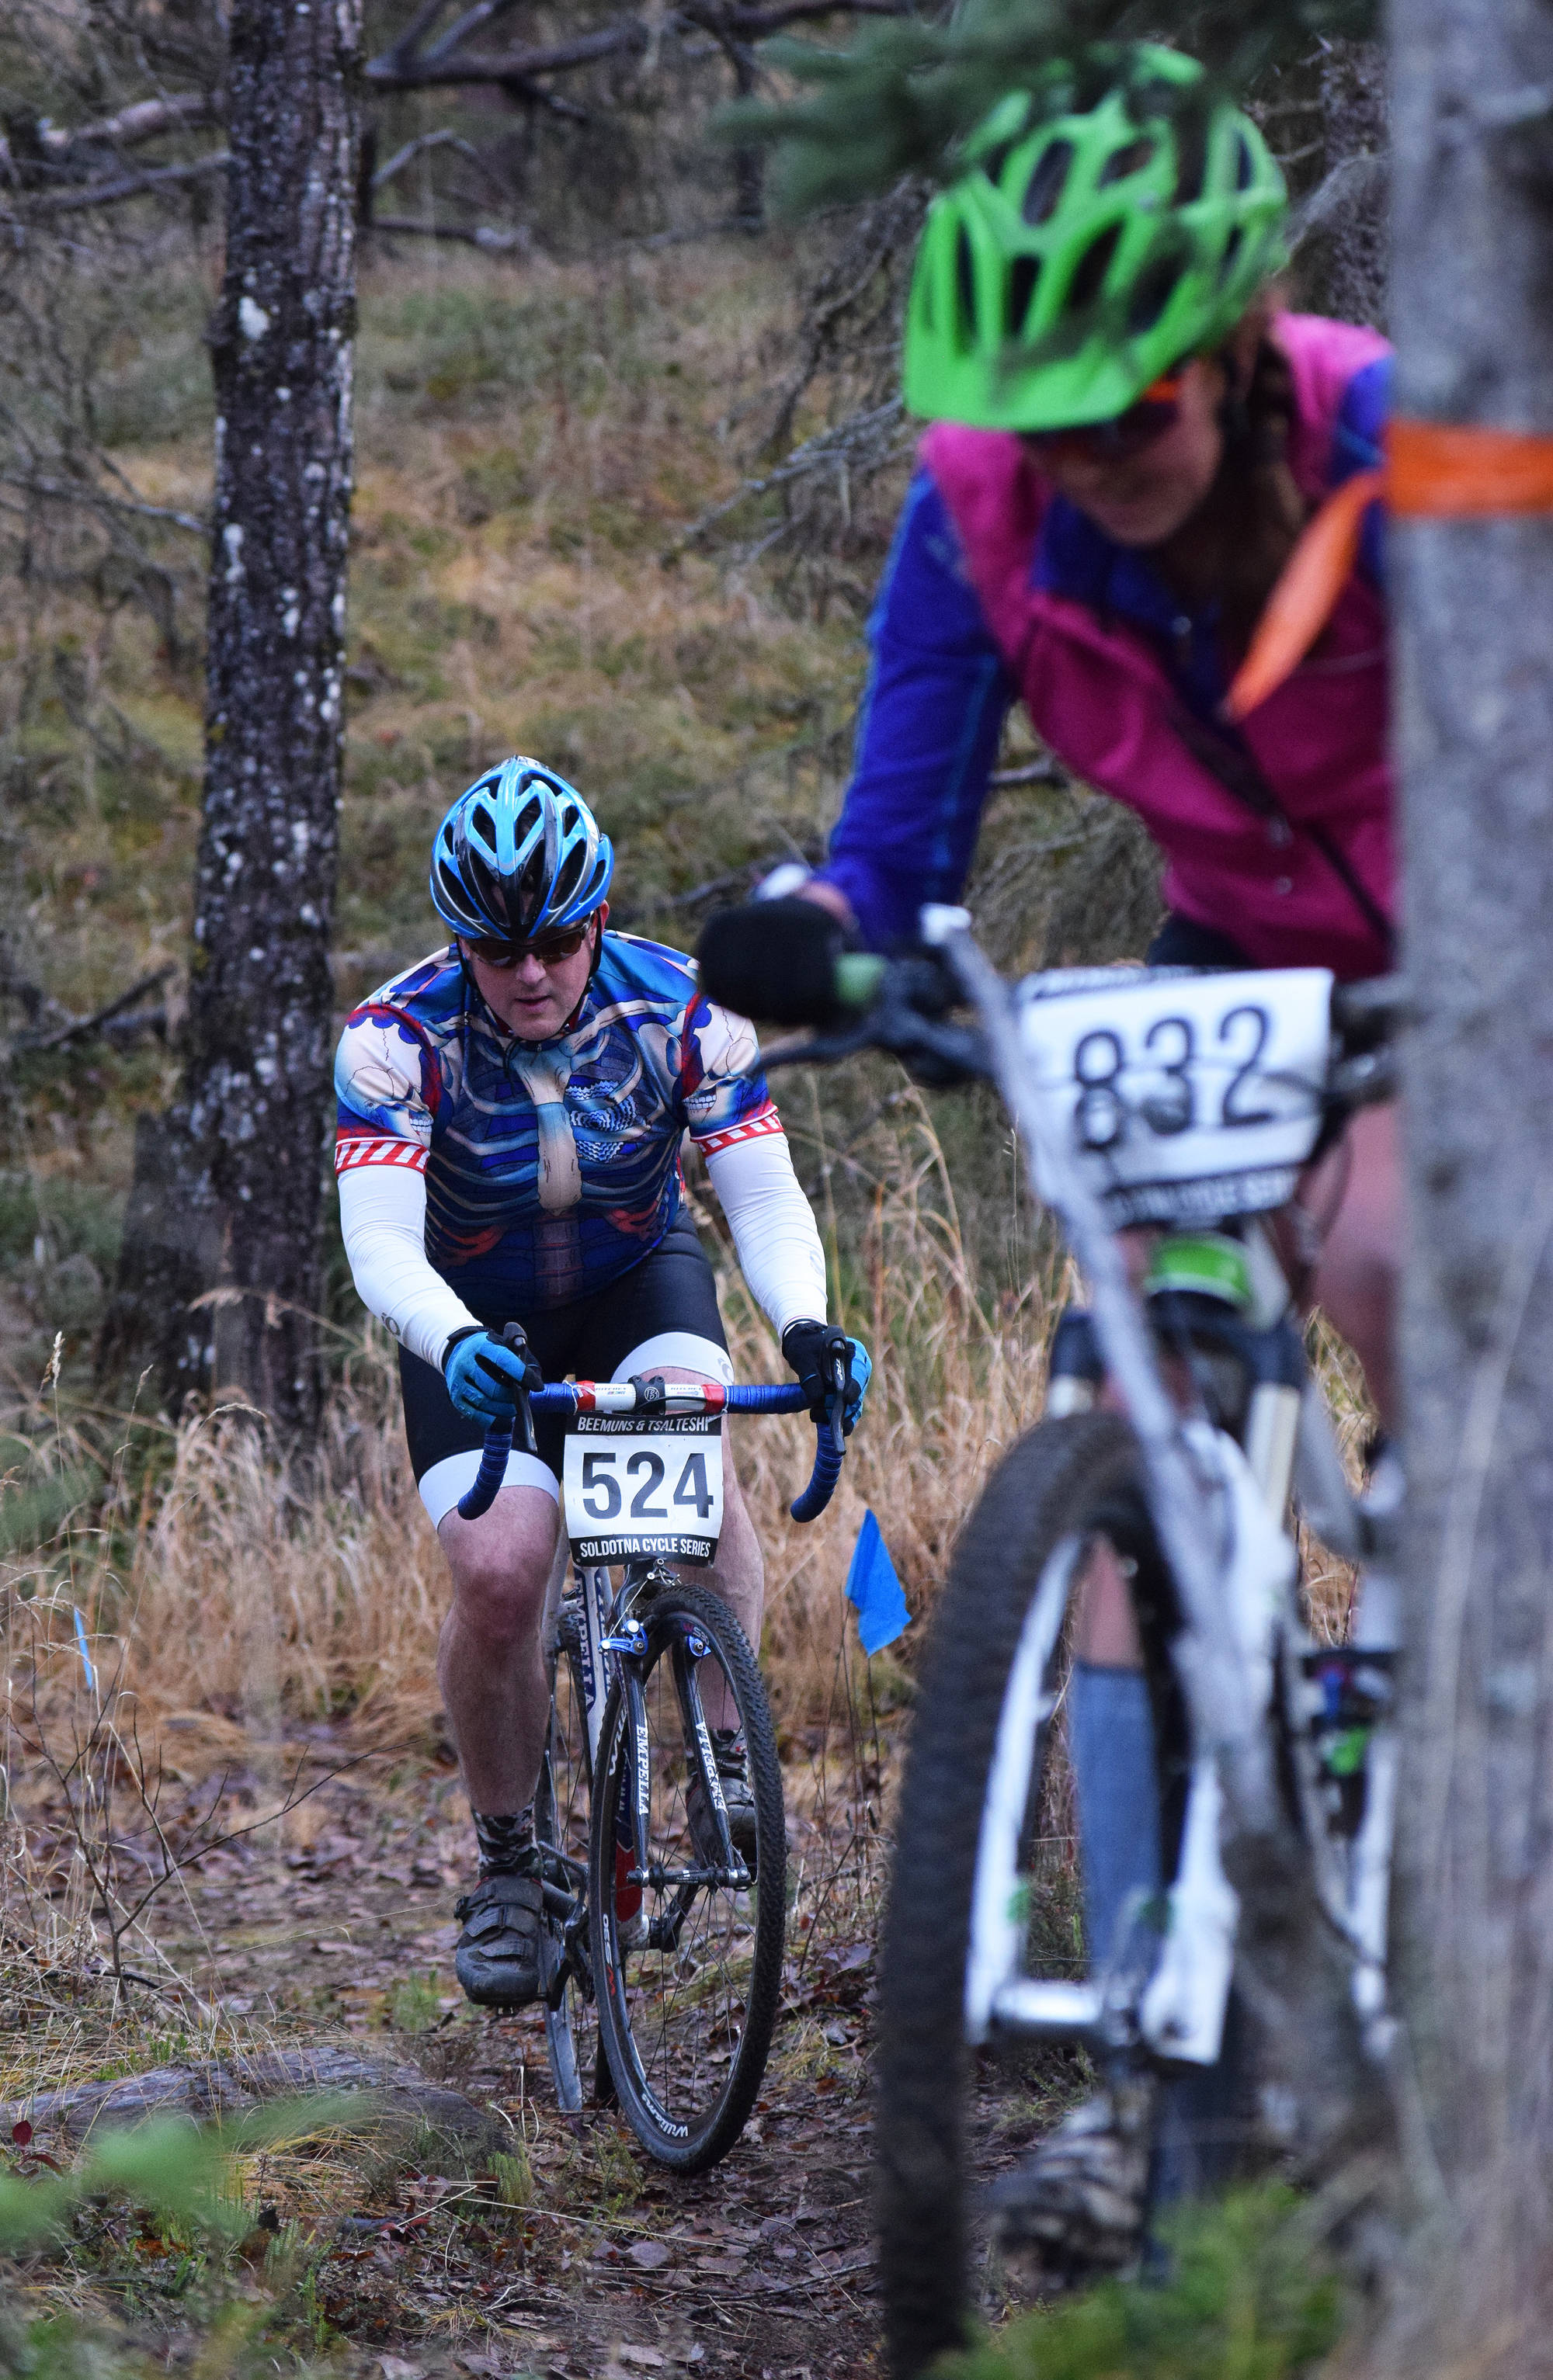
(505,1842)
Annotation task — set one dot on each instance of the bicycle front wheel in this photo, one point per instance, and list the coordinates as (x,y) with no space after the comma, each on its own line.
(974,1833)
(688,1955)
(561,1807)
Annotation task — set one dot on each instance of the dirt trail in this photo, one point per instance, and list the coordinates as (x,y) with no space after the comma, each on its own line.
(760,2270)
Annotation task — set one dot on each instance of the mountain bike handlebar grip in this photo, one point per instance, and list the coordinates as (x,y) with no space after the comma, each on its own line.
(823,1479)
(493,1471)
(775,960)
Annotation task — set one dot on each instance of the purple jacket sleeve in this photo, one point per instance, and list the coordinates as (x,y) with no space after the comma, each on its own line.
(932,711)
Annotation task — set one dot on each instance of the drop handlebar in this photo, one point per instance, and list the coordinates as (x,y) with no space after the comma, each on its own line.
(653,1397)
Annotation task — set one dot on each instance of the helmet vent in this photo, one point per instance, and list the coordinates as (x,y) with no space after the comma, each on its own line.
(1089,274)
(1046,182)
(965,282)
(1153,291)
(527,820)
(1246,164)
(1122,162)
(482,823)
(1231,250)
(1191,155)
(1026,272)
(568,876)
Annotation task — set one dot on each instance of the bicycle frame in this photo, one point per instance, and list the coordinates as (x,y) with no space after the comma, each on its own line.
(612,1635)
(1219,1511)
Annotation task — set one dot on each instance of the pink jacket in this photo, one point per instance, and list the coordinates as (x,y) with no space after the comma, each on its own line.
(1281,838)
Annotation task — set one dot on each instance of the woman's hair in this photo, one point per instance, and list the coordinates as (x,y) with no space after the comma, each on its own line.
(1236,543)
(1267,509)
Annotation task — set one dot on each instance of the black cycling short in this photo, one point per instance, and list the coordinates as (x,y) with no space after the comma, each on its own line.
(672,1290)
(1182,943)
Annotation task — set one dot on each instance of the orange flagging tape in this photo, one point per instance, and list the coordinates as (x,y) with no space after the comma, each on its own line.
(1439,471)
(1434,471)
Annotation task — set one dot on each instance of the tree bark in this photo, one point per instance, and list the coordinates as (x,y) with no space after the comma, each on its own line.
(220,1266)
(1473,311)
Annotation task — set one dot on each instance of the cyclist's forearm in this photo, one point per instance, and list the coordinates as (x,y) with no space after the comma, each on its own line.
(383,1222)
(775,1234)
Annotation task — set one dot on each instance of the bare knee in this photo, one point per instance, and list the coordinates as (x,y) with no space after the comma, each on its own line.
(500,1568)
(496,1605)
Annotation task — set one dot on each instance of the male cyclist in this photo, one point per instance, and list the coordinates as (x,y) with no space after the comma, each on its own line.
(1129,438)
(510,1115)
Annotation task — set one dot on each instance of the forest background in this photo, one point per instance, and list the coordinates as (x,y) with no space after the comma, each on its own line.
(628,456)
(628,461)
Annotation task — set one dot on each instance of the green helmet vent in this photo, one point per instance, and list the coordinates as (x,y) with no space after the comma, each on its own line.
(1079,259)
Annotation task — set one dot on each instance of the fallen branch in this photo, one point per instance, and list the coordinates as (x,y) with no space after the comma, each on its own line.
(482,236)
(868,439)
(78,1027)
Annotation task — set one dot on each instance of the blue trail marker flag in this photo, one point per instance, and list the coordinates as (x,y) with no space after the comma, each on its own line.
(873,1586)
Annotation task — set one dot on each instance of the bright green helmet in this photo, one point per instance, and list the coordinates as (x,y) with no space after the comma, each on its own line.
(1074,263)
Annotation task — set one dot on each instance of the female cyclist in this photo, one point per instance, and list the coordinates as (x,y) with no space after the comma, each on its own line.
(1130,437)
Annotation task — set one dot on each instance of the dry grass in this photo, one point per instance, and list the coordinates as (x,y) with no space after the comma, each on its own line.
(250,1596)
(254,1598)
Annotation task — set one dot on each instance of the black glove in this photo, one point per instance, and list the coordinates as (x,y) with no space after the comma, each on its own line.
(775,960)
(821,1355)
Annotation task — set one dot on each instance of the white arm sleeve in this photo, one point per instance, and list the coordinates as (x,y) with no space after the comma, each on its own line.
(773,1226)
(382,1221)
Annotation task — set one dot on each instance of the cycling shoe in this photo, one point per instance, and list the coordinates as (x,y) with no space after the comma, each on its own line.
(1076,2206)
(496,1959)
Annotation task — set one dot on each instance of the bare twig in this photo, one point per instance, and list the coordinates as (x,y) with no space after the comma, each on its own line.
(128,186)
(406,65)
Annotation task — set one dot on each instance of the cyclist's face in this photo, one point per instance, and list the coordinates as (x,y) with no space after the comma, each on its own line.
(1143,497)
(534,998)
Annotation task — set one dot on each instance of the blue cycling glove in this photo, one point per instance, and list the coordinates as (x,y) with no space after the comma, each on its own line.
(822,1356)
(484,1374)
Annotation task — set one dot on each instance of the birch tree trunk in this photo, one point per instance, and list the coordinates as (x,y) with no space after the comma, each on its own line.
(220,1268)
(1472,312)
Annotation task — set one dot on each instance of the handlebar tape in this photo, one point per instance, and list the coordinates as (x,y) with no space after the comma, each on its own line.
(493,1470)
(826,1472)
(559,1397)
(774,959)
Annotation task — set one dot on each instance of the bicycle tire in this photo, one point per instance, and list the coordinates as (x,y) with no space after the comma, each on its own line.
(563,1829)
(687,2038)
(1045,1497)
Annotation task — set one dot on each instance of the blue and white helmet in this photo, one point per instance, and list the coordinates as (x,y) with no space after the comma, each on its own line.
(519,855)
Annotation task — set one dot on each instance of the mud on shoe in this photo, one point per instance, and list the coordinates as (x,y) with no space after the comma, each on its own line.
(1075,2208)
(733,1776)
(496,1959)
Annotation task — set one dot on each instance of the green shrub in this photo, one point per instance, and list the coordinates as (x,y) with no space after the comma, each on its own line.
(1246,2299)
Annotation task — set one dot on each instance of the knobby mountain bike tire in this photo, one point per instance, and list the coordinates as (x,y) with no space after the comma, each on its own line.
(687,1967)
(562,1806)
(1002,1618)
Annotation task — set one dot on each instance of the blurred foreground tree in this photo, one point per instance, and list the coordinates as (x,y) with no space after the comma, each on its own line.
(219,1274)
(1473,94)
